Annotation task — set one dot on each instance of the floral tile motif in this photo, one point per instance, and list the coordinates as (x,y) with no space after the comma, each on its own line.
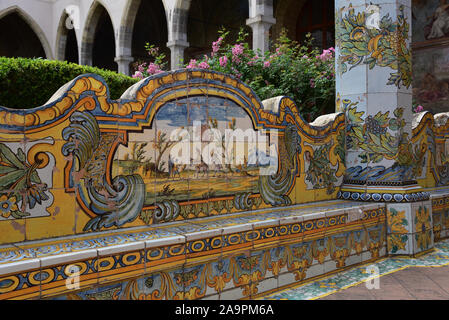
(423,241)
(423,218)
(399,243)
(357,275)
(398,221)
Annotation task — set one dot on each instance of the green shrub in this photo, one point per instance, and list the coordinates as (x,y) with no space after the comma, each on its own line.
(29,83)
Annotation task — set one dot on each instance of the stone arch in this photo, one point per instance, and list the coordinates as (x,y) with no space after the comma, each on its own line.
(15,11)
(99,35)
(205,19)
(142,22)
(66,47)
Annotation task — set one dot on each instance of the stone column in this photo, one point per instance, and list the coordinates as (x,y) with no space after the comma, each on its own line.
(260,20)
(177,31)
(177,48)
(123,63)
(374,89)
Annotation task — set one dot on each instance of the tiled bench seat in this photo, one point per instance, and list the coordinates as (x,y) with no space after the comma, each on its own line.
(223,257)
(176,245)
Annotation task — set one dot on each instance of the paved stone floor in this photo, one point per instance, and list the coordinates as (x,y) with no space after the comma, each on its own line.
(426,277)
(408,284)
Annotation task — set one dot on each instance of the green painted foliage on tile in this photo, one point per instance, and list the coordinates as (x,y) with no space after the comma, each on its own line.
(20,183)
(320,172)
(383,47)
(370,135)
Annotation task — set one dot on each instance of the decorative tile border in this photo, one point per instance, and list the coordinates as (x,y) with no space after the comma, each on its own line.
(42,249)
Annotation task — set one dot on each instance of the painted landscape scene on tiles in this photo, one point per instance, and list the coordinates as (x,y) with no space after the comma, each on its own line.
(186,155)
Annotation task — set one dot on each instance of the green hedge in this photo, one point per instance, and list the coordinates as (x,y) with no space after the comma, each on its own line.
(29,83)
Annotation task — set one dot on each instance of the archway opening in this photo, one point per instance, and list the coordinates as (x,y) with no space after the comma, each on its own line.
(103,47)
(207,17)
(317,17)
(150,26)
(18,38)
(71,48)
(67,41)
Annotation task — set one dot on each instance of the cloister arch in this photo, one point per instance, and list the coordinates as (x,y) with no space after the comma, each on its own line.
(98,46)
(144,21)
(21,35)
(66,40)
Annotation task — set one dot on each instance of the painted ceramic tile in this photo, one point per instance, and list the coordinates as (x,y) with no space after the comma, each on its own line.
(357,275)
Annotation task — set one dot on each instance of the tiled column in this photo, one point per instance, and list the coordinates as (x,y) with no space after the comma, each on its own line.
(260,20)
(374,74)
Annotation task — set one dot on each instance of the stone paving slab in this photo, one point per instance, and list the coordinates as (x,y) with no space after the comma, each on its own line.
(409,284)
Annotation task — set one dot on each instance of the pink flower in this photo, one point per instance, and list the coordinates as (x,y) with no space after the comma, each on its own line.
(138,75)
(216,45)
(223,61)
(312,83)
(326,55)
(204,65)
(192,64)
(419,108)
(266,64)
(141,68)
(237,50)
(153,69)
(153,51)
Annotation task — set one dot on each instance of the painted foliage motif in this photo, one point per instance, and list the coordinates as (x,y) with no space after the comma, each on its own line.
(22,190)
(423,227)
(320,172)
(398,236)
(386,46)
(380,137)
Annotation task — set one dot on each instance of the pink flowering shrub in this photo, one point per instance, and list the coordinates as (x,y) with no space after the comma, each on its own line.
(298,71)
(417,108)
(146,69)
(192,64)
(290,69)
